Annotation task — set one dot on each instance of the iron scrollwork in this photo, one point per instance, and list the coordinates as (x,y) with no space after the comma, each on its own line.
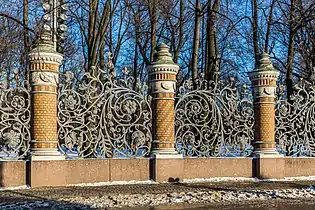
(212,121)
(14,120)
(104,116)
(295,134)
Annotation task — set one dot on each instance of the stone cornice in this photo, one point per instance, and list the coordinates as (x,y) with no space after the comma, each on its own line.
(45,57)
(258,75)
(163,68)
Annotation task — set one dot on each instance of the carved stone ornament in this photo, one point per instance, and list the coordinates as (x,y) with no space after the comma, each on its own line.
(262,91)
(163,87)
(44,78)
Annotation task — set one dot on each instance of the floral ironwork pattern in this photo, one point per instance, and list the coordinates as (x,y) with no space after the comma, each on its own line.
(104,116)
(295,133)
(214,120)
(14,120)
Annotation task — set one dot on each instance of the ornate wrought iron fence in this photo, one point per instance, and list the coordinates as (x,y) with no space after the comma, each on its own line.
(104,116)
(214,120)
(295,124)
(14,119)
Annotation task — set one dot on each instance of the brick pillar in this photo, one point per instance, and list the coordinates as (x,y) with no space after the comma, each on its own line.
(44,77)
(264,79)
(162,78)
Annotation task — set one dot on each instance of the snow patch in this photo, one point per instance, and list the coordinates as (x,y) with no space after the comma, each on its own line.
(23,187)
(219,179)
(298,178)
(243,179)
(113,183)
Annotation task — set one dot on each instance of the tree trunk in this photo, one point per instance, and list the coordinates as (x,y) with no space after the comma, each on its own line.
(196,43)
(26,47)
(203,43)
(93,7)
(255,31)
(96,33)
(137,41)
(290,57)
(102,56)
(269,26)
(181,30)
(212,54)
(313,57)
(153,27)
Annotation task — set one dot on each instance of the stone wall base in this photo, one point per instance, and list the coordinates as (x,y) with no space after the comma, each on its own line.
(279,168)
(269,168)
(13,173)
(68,172)
(177,169)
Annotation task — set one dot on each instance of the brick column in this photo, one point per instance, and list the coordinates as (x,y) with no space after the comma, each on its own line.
(44,78)
(264,79)
(162,79)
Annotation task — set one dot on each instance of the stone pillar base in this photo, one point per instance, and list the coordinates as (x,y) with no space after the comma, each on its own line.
(269,168)
(165,156)
(167,167)
(266,153)
(164,151)
(46,154)
(268,163)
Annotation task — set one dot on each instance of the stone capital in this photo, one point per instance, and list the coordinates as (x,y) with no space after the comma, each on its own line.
(264,69)
(260,75)
(264,78)
(163,61)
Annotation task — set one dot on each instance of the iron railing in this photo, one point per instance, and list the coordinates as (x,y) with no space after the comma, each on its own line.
(295,123)
(15,116)
(214,119)
(104,116)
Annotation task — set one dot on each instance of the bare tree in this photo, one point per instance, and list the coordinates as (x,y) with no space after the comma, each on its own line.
(255,31)
(211,70)
(269,24)
(26,42)
(196,40)
(96,30)
(153,10)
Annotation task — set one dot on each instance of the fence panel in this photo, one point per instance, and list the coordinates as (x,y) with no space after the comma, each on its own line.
(15,118)
(295,133)
(214,120)
(104,116)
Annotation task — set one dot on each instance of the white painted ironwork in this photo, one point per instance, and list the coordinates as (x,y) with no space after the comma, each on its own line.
(14,119)
(214,120)
(103,115)
(295,133)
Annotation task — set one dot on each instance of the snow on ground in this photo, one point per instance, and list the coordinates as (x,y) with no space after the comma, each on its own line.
(197,180)
(153,199)
(113,183)
(242,179)
(219,179)
(24,187)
